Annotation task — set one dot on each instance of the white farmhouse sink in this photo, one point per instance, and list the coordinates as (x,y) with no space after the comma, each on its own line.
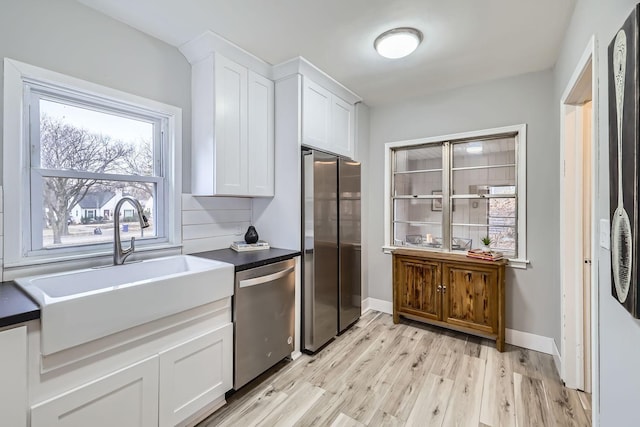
(83,305)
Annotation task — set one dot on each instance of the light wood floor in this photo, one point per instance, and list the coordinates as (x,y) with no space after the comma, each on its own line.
(381,374)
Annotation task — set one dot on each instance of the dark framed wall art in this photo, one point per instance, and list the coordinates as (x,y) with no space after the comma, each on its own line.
(624,158)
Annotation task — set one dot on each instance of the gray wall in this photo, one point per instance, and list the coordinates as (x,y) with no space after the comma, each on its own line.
(362,155)
(69,38)
(619,333)
(533,296)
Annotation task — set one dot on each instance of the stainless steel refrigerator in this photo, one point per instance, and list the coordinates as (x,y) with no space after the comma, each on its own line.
(330,246)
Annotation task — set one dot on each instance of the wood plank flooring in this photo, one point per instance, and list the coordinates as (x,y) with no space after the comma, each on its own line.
(381,374)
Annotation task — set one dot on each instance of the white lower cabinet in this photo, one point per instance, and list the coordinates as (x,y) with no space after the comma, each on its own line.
(195,374)
(127,397)
(180,381)
(13,377)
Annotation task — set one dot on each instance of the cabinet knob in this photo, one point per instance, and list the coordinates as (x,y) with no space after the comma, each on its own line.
(444,289)
(439,288)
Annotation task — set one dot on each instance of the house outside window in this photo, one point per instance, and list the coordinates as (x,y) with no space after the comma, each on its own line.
(84,152)
(449,192)
(85,146)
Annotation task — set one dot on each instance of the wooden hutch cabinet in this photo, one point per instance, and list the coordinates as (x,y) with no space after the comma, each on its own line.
(450,290)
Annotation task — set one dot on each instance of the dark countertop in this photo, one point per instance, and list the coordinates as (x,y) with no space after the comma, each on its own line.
(15,305)
(249,259)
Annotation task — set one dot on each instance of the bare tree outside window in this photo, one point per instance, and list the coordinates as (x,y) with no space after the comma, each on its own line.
(75,141)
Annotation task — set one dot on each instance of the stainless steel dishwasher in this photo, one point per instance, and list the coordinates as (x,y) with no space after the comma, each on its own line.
(264,304)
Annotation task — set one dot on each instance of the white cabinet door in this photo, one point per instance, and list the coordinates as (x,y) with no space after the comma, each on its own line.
(128,397)
(13,377)
(316,115)
(230,127)
(261,136)
(328,122)
(194,374)
(342,126)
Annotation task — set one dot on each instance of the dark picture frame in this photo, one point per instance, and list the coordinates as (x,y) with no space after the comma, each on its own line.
(624,162)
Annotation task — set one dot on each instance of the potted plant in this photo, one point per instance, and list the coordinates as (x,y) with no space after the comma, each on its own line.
(486,242)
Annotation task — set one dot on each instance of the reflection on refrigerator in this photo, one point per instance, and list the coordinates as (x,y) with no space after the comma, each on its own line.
(331,246)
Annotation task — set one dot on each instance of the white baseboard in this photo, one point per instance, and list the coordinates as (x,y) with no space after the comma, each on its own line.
(521,339)
(531,341)
(557,359)
(377,305)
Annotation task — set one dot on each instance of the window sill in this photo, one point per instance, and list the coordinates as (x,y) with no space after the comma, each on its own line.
(67,262)
(513,263)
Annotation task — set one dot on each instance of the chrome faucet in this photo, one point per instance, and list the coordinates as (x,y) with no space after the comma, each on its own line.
(119,254)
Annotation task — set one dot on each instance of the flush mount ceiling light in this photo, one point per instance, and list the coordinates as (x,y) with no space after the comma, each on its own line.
(397,43)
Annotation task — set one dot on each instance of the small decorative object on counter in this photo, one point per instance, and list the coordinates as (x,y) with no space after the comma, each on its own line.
(251,236)
(241,246)
(485,255)
(486,241)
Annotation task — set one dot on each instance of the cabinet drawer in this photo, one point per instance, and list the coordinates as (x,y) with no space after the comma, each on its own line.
(128,397)
(194,374)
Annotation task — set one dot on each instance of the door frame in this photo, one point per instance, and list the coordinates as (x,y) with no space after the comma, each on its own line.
(572,330)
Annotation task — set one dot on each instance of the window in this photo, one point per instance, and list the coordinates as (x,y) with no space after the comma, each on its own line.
(86,147)
(447,193)
(90,154)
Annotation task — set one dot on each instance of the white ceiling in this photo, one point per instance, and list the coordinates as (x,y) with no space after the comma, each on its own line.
(466,41)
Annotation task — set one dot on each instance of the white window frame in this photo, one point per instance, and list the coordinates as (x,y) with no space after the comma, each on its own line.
(521,161)
(17,166)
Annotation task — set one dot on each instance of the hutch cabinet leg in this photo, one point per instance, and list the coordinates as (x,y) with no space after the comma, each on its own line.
(500,344)
(396,318)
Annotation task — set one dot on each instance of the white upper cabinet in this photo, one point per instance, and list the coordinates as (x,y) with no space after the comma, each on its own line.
(316,118)
(327,120)
(233,129)
(230,127)
(233,111)
(342,126)
(261,135)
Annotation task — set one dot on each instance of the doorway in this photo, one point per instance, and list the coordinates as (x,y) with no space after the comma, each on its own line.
(578,262)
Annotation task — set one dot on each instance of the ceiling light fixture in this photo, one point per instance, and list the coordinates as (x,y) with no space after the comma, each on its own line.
(398,42)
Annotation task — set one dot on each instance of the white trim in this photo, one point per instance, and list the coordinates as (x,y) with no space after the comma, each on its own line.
(518,338)
(530,341)
(209,42)
(377,305)
(567,360)
(557,358)
(99,259)
(16,164)
(300,65)
(513,263)
(521,144)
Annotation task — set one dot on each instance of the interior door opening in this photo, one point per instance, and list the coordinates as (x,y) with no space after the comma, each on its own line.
(577,230)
